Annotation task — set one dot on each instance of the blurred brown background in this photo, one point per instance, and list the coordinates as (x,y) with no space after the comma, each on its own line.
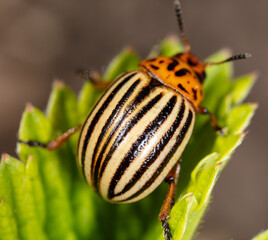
(42,40)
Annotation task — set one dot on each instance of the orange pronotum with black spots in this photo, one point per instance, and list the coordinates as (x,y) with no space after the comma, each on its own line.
(184,73)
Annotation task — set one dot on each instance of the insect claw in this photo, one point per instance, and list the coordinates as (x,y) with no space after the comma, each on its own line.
(167,232)
(221,131)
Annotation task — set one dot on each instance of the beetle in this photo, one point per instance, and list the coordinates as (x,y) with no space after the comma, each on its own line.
(134,137)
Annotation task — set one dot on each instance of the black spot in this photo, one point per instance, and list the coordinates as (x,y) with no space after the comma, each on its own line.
(172,65)
(201,77)
(182,88)
(161,61)
(182,72)
(188,82)
(154,67)
(194,92)
(191,63)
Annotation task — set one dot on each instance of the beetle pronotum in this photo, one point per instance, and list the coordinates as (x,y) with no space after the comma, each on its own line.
(133,138)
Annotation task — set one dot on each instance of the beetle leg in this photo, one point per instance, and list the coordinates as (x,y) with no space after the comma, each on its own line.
(54,144)
(172,179)
(203,110)
(94,78)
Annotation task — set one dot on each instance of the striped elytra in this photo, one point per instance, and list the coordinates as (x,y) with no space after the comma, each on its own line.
(133,137)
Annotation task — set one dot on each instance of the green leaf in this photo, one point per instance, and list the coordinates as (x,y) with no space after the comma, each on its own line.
(239,117)
(22,183)
(84,210)
(86,100)
(181,211)
(62,107)
(170,46)
(262,236)
(217,82)
(241,87)
(43,191)
(125,61)
(8,227)
(34,126)
(56,177)
(62,111)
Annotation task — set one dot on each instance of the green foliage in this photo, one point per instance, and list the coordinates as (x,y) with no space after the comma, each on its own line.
(42,195)
(262,236)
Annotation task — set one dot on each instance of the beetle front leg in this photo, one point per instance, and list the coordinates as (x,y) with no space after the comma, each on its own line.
(94,77)
(54,144)
(203,110)
(172,179)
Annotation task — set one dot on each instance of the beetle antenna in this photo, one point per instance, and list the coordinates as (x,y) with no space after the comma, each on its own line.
(178,11)
(231,59)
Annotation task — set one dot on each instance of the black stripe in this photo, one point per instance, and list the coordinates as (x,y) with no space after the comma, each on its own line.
(166,160)
(140,97)
(85,122)
(156,150)
(97,117)
(123,133)
(140,143)
(108,123)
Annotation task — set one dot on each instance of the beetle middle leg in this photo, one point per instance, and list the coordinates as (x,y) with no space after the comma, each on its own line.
(94,77)
(172,180)
(54,144)
(203,110)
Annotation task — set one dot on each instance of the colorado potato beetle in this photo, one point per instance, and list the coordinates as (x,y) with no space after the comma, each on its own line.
(133,138)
